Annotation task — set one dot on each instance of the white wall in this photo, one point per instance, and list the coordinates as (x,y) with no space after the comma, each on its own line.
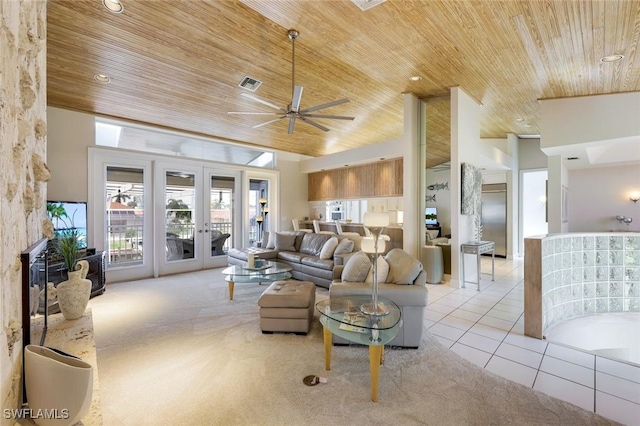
(579,121)
(598,194)
(70,133)
(534,203)
(293,193)
(531,156)
(465,138)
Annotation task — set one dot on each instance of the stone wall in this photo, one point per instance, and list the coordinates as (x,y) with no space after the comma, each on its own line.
(23,173)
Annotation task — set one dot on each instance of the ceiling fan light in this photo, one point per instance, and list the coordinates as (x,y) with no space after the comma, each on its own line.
(113,6)
(415,78)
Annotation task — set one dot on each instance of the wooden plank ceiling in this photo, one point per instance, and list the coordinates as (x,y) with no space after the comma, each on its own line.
(177,64)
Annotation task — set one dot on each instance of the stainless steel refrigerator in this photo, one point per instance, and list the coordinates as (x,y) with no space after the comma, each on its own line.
(494,216)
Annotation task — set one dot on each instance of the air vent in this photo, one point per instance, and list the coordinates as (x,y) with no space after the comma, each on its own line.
(572,158)
(367,4)
(250,83)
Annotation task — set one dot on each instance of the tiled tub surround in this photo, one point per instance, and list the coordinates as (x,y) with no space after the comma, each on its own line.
(570,275)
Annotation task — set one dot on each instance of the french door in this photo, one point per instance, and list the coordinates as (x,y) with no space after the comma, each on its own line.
(195,216)
(157,217)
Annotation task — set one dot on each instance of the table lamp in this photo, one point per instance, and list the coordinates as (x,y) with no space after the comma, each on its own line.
(373,245)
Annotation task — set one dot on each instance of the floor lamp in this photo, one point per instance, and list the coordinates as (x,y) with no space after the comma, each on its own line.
(373,245)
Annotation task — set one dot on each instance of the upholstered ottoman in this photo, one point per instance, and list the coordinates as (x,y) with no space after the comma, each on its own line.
(287,306)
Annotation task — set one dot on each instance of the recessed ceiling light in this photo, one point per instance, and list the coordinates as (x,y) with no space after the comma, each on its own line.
(611,58)
(415,78)
(113,5)
(101,78)
(519,119)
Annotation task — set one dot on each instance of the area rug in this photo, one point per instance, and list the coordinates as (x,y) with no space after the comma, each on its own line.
(175,351)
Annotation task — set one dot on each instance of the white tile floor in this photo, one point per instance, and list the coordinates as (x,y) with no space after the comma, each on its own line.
(487,328)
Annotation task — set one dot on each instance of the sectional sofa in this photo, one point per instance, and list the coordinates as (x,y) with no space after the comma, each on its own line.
(308,254)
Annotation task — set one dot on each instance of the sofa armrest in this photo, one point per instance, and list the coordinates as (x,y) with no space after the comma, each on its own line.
(337,272)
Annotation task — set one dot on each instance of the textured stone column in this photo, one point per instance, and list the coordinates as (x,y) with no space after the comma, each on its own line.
(23,172)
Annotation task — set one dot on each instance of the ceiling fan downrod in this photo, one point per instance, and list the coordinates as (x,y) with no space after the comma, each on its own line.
(293,35)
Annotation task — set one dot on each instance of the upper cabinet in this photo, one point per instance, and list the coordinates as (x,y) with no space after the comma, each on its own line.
(381,179)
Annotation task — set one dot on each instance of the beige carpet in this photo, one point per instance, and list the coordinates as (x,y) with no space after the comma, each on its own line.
(176,351)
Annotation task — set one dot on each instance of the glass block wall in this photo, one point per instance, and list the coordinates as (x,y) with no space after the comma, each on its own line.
(584,274)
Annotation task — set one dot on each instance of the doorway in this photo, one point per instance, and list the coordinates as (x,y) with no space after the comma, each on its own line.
(155,217)
(195,216)
(533,220)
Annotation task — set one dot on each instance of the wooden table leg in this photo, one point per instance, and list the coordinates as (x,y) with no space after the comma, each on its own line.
(327,348)
(375,355)
(231,290)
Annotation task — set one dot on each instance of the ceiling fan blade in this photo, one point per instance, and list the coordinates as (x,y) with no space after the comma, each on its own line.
(297,97)
(292,123)
(313,123)
(251,113)
(268,122)
(327,105)
(338,117)
(269,104)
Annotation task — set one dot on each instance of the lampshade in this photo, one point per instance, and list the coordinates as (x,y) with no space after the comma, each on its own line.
(265,210)
(259,219)
(368,245)
(379,220)
(262,201)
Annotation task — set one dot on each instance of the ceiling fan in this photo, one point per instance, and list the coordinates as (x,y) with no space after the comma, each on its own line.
(293,111)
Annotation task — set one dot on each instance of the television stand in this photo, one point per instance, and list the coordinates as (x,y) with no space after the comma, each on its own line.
(58,272)
(435,227)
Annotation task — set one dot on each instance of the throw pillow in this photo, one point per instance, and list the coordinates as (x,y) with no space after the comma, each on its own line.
(357,268)
(403,268)
(383,271)
(344,246)
(328,248)
(284,242)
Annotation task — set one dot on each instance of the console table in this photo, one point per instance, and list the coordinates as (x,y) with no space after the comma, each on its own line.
(478,248)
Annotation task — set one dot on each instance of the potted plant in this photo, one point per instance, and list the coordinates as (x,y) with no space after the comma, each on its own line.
(67,246)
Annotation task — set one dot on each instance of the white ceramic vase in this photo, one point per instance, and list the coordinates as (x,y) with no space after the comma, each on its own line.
(58,386)
(73,294)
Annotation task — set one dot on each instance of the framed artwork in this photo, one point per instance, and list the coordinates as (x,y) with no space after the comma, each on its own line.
(471,177)
(565,204)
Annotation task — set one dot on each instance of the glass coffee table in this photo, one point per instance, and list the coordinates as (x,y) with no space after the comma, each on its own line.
(343,317)
(269,272)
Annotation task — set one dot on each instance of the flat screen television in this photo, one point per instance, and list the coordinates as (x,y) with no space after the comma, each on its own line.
(431,216)
(67,215)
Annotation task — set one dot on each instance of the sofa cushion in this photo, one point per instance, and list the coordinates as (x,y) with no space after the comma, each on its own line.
(357,268)
(285,242)
(344,246)
(328,248)
(317,262)
(312,243)
(291,256)
(383,271)
(403,268)
(268,240)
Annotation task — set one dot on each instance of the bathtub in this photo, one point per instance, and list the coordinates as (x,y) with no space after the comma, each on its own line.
(612,335)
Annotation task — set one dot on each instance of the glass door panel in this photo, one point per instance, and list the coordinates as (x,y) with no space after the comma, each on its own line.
(124,216)
(222,196)
(180,206)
